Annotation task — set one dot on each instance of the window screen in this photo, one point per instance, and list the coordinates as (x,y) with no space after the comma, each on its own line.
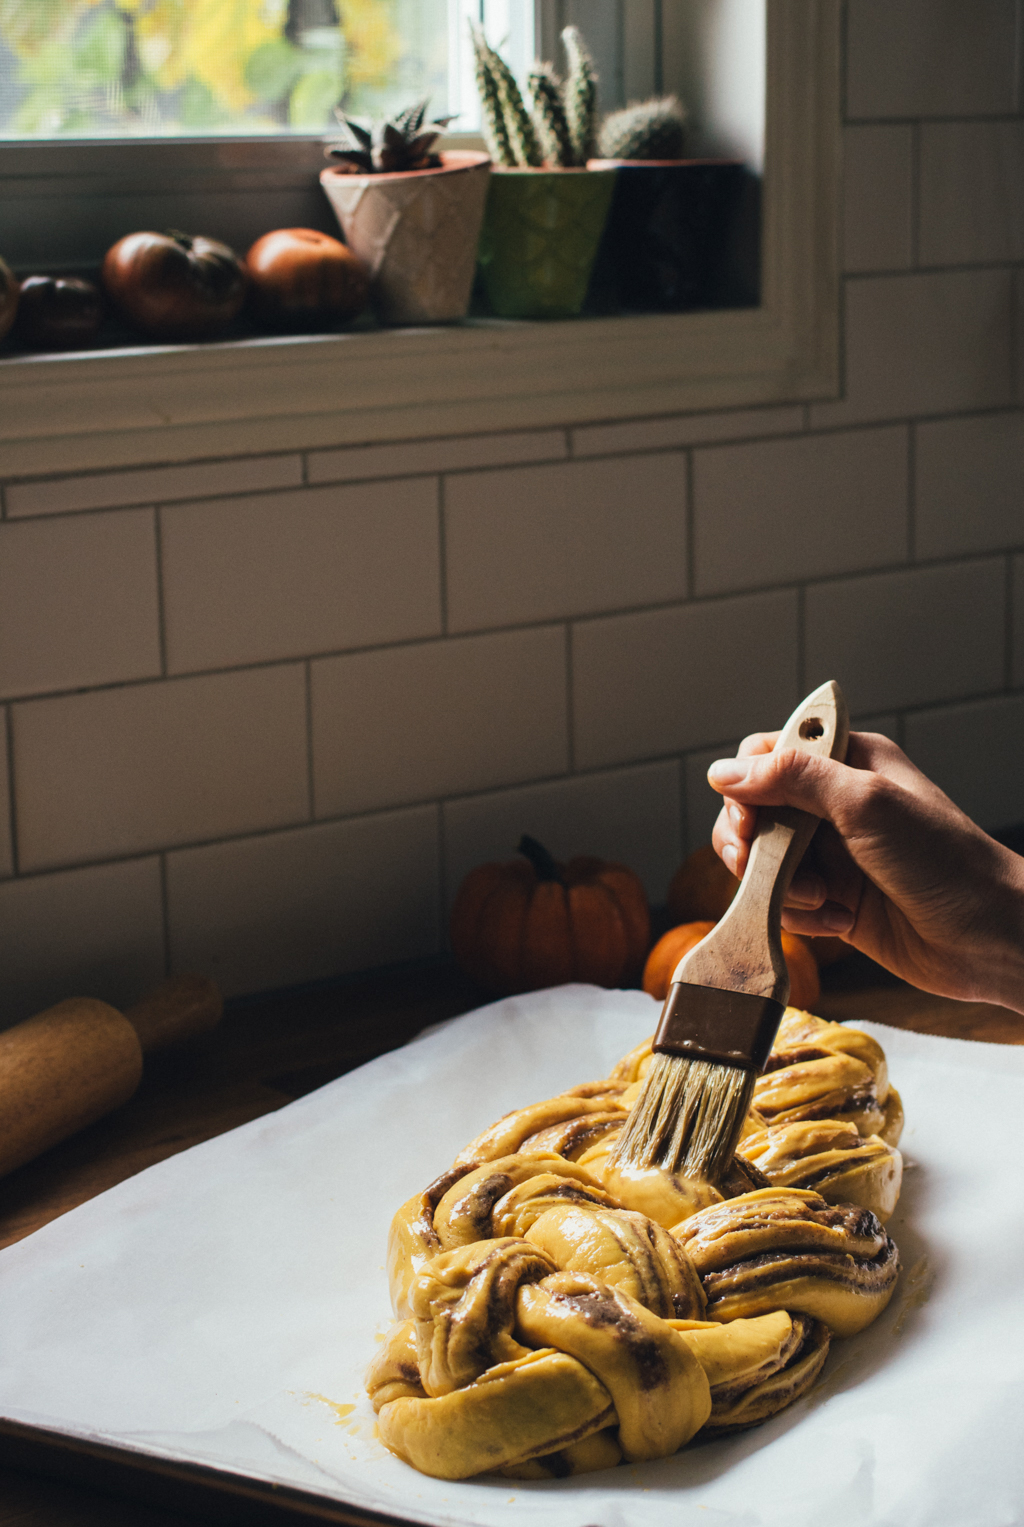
(147,68)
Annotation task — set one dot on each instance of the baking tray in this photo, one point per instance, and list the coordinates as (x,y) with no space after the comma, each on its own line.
(196,1336)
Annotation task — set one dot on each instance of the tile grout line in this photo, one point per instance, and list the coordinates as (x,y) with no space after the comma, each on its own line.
(801,639)
(752,437)
(551,623)
(598,771)
(310,772)
(12,818)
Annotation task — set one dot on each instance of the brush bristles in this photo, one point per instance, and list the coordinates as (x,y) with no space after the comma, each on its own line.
(688,1117)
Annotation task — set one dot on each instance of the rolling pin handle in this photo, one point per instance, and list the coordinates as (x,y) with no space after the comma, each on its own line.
(179,1009)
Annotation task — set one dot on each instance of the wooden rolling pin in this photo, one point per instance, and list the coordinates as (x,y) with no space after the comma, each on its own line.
(68,1066)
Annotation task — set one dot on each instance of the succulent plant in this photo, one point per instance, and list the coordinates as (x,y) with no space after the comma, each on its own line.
(654,129)
(560,129)
(400,143)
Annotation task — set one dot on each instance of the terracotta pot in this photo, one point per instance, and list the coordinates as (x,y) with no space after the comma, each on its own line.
(417,233)
(672,236)
(540,237)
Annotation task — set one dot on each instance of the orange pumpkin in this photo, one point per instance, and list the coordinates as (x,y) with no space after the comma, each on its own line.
(702,888)
(805,987)
(534,922)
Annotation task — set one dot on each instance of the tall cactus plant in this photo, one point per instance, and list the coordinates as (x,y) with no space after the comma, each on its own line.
(560,130)
(579,94)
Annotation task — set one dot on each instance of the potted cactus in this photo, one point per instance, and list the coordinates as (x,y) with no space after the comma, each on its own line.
(545,208)
(673,222)
(411,214)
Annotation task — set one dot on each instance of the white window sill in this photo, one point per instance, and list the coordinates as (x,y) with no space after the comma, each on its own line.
(121,407)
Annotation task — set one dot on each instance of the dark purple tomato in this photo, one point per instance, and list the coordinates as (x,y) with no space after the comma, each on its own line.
(173,286)
(57,313)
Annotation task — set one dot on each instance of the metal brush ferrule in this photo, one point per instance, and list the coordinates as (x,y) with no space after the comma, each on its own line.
(728,1028)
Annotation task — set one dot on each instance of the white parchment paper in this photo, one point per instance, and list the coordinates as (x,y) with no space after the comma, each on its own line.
(222,1306)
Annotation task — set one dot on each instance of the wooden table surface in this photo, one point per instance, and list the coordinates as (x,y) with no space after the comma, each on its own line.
(268,1052)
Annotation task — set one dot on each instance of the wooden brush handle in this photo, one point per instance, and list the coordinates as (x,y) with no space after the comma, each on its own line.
(747,943)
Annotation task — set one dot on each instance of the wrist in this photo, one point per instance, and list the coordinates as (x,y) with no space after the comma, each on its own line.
(1001,968)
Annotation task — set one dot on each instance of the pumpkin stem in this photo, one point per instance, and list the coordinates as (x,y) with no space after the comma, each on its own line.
(546,867)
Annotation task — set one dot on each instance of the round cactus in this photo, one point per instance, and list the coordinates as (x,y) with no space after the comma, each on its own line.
(653,129)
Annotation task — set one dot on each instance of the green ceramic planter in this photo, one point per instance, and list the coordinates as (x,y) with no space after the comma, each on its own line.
(540,237)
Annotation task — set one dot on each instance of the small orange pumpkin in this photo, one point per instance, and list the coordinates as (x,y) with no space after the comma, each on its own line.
(702,887)
(805,987)
(534,922)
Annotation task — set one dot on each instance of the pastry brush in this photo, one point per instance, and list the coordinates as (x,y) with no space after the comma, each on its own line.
(730,991)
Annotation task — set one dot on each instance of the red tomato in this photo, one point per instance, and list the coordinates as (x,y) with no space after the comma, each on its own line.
(8,297)
(56,313)
(302,279)
(174,287)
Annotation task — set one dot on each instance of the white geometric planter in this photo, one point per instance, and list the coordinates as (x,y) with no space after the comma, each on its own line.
(417,232)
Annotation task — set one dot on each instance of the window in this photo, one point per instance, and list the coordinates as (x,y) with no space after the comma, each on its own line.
(112,118)
(156,68)
(63,202)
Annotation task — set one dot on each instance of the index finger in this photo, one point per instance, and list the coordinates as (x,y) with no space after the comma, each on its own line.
(757,742)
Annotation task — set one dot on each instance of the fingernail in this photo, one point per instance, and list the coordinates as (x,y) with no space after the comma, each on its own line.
(836,919)
(736,816)
(727,771)
(729,857)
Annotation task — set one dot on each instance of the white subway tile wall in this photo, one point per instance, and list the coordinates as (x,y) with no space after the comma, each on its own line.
(154,485)
(972,192)
(973,752)
(878,171)
(934,342)
(281,575)
(405,724)
(95,932)
(664,680)
(304,905)
(931,58)
(412,457)
(124,771)
(265,713)
(783,511)
(79,604)
(969,485)
(541,543)
(631,816)
(909,638)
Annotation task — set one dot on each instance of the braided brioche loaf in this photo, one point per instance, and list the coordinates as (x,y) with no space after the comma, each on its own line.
(556,1315)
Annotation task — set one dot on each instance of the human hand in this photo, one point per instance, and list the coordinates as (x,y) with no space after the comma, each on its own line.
(895,869)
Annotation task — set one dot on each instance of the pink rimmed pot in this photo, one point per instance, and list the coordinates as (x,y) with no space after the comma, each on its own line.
(417,233)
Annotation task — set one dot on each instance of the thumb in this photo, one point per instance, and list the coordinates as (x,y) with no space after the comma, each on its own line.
(792,777)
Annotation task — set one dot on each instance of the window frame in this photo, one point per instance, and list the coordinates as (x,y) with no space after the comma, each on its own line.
(153,403)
